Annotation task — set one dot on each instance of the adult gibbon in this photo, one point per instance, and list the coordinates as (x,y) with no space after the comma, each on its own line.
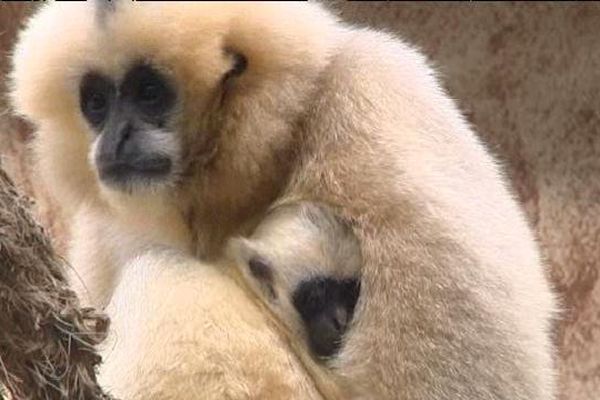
(183,124)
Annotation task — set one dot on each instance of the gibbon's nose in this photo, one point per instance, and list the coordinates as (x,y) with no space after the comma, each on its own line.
(124,142)
(123,155)
(325,333)
(116,144)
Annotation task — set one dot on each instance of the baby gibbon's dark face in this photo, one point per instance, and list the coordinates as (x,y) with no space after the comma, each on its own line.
(326,306)
(133,147)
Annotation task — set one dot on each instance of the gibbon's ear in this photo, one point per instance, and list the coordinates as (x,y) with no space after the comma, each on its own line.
(239,65)
(104,8)
(241,250)
(253,265)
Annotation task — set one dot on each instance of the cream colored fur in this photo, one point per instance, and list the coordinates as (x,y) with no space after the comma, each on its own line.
(297,242)
(183,330)
(454,302)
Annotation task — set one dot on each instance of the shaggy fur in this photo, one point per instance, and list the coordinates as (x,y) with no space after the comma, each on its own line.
(493,58)
(185,330)
(47,340)
(454,302)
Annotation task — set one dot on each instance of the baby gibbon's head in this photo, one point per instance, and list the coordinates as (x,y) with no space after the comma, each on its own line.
(132,97)
(304,263)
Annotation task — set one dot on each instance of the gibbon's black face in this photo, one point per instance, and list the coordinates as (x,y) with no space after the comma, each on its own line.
(326,306)
(133,147)
(136,145)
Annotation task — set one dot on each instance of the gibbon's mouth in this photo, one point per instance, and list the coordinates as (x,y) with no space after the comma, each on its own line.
(138,172)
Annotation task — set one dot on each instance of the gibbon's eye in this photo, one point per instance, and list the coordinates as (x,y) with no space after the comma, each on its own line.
(97,103)
(149,91)
(240,64)
(95,96)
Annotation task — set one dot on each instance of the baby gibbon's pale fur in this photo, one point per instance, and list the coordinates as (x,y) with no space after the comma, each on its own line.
(296,244)
(184,330)
(454,302)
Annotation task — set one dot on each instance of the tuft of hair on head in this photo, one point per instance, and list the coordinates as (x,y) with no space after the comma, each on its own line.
(103,9)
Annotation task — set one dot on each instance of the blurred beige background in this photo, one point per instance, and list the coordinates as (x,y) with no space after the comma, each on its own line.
(527,75)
